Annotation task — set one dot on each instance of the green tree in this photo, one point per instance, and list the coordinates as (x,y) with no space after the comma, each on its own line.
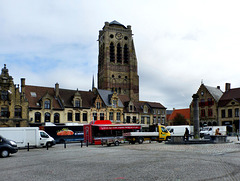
(179,119)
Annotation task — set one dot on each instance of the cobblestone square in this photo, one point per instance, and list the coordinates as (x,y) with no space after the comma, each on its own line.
(148,161)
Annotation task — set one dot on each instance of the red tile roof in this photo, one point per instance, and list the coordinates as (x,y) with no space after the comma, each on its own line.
(184,112)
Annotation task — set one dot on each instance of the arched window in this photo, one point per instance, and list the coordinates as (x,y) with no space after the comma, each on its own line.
(119,53)
(4,112)
(214,123)
(37,117)
(47,104)
(47,117)
(126,54)
(112,52)
(18,112)
(56,118)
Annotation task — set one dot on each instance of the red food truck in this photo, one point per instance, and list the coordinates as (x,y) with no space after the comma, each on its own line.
(102,132)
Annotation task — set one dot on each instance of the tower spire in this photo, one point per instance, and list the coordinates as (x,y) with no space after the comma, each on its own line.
(93,83)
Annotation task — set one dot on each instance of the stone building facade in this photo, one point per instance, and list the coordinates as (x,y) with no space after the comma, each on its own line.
(13,104)
(60,106)
(208,105)
(117,62)
(229,106)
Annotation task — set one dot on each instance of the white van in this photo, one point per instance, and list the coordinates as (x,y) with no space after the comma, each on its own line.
(180,130)
(25,136)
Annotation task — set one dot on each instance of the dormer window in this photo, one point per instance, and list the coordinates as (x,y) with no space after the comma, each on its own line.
(145,109)
(98,105)
(77,103)
(114,103)
(47,104)
(131,108)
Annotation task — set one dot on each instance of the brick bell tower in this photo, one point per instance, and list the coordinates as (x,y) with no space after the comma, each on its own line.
(117,61)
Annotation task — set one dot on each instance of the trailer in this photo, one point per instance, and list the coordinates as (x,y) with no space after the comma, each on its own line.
(27,136)
(104,132)
(65,133)
(155,133)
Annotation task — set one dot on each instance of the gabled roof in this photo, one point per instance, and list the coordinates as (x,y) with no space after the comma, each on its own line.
(35,93)
(215,92)
(184,112)
(106,97)
(231,94)
(152,105)
(67,96)
(155,105)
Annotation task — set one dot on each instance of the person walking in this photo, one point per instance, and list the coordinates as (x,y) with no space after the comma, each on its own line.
(186,134)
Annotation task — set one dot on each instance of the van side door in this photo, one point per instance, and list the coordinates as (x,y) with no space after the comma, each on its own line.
(43,138)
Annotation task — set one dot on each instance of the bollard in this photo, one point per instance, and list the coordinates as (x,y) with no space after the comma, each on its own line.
(65,145)
(81,143)
(28,147)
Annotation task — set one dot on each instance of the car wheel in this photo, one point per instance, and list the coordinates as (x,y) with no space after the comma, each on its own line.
(116,143)
(49,144)
(140,140)
(4,153)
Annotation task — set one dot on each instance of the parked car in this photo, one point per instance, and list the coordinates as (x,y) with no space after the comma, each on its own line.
(7,147)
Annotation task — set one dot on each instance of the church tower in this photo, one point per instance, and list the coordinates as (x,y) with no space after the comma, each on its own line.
(117,61)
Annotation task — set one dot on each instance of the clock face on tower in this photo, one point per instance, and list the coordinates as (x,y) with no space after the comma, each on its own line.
(118,36)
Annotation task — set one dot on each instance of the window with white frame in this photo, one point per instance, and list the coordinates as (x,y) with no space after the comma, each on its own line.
(111,116)
(47,104)
(118,116)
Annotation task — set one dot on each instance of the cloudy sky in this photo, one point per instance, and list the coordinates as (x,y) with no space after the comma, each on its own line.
(179,44)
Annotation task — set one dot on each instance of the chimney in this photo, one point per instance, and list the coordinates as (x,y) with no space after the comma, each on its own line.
(56,89)
(227,87)
(23,85)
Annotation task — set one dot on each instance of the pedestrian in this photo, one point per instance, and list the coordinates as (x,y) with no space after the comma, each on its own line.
(186,134)
(217,132)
